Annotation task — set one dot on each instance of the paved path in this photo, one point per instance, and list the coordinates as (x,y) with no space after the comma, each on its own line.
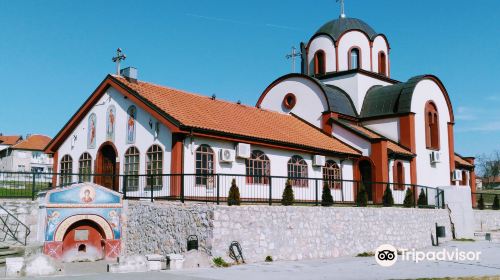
(339,268)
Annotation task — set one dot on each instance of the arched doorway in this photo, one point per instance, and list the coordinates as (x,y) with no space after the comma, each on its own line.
(83,240)
(107,166)
(366,176)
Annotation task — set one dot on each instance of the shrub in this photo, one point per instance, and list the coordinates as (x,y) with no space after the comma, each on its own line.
(366,254)
(388,199)
(480,203)
(234,194)
(422,198)
(409,200)
(288,197)
(362,196)
(220,262)
(269,259)
(326,197)
(496,203)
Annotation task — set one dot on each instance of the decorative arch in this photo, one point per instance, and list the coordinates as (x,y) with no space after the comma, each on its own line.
(359,58)
(398,175)
(382,63)
(66,224)
(319,62)
(432,137)
(99,163)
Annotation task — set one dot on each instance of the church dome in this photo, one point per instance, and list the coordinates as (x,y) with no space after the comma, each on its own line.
(337,27)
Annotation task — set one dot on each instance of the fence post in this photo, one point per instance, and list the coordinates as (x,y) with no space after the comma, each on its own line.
(414,196)
(125,185)
(442,199)
(317,192)
(182,187)
(151,184)
(270,190)
(33,187)
(218,189)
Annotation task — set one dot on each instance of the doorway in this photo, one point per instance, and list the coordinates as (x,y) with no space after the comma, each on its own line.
(365,172)
(83,241)
(107,167)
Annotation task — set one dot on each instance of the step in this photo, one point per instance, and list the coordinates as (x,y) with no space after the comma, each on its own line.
(11,252)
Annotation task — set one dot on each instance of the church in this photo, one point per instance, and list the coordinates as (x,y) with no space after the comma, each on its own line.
(342,119)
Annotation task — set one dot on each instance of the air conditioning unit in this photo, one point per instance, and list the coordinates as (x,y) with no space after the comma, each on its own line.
(318,160)
(456,175)
(226,155)
(243,150)
(435,157)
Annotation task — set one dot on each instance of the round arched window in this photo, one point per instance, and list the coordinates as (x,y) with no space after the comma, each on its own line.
(289,101)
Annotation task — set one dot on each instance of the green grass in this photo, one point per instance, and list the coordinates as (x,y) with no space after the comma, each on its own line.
(220,262)
(366,254)
(9,189)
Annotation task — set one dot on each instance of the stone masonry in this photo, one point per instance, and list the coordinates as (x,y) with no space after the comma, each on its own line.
(487,220)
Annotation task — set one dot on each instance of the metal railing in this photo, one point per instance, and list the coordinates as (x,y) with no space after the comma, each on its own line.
(11,227)
(215,188)
(486,200)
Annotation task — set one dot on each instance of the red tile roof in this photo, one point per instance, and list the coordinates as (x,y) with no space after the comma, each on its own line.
(202,112)
(462,162)
(10,140)
(34,142)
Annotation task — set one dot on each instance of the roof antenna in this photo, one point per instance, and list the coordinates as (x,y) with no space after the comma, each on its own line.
(118,58)
(342,11)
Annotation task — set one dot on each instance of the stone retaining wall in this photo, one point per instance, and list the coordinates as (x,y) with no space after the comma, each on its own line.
(486,220)
(27,212)
(287,233)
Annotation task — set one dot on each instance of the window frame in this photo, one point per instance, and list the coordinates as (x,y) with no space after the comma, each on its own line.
(258,163)
(156,182)
(332,174)
(132,176)
(296,169)
(349,60)
(382,63)
(432,133)
(66,170)
(204,172)
(319,69)
(85,167)
(398,176)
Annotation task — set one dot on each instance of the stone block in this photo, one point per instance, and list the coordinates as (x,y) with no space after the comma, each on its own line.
(13,266)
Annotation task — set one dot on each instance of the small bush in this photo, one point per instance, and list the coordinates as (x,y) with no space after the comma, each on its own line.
(409,200)
(388,199)
(496,203)
(465,240)
(422,198)
(326,197)
(288,197)
(220,262)
(480,203)
(366,254)
(362,196)
(269,259)
(234,194)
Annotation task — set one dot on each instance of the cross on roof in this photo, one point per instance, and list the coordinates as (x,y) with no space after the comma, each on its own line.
(342,11)
(293,55)
(117,59)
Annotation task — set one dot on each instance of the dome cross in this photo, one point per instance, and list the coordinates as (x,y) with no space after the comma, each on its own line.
(342,11)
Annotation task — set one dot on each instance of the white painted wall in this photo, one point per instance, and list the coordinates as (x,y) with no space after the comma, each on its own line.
(278,160)
(350,39)
(311,101)
(379,44)
(352,139)
(145,136)
(431,174)
(326,44)
(386,127)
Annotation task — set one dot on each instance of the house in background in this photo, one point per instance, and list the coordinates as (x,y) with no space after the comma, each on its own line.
(26,155)
(9,140)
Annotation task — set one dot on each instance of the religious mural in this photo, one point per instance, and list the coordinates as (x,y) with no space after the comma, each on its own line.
(110,123)
(131,117)
(91,131)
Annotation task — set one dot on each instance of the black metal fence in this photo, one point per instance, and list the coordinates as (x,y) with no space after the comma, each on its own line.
(486,200)
(215,188)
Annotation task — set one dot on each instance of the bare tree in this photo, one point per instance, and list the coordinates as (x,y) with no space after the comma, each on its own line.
(488,167)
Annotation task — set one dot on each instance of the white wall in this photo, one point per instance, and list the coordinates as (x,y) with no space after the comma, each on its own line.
(431,174)
(399,195)
(278,160)
(386,127)
(324,43)
(352,139)
(350,39)
(379,44)
(145,136)
(311,101)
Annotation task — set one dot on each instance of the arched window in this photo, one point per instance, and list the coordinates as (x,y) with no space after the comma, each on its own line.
(431,126)
(354,58)
(319,63)
(204,167)
(398,175)
(131,166)
(154,167)
(382,66)
(297,168)
(85,167)
(66,170)
(332,174)
(258,168)
(464,181)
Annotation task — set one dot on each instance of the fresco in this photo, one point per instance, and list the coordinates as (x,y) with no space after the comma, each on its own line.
(110,123)
(131,117)
(91,134)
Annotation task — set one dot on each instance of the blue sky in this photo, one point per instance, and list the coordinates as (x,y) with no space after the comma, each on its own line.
(53,54)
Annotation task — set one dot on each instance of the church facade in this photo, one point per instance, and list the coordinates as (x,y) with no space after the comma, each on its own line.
(342,119)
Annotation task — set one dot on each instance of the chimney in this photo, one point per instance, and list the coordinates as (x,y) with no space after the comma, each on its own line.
(129,73)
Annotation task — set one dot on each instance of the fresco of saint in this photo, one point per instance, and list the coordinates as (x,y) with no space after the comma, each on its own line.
(110,123)
(131,117)
(91,131)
